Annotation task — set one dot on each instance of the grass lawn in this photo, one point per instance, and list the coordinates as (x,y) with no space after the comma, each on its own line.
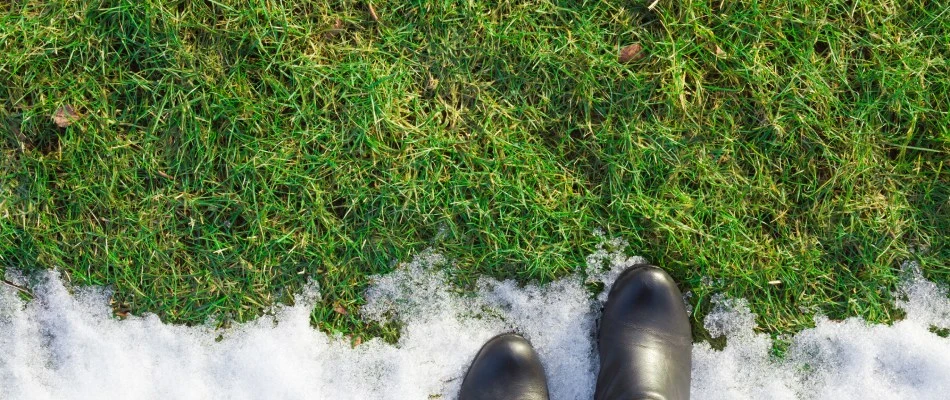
(207,158)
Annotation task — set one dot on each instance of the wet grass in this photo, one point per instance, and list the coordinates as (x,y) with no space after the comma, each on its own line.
(225,152)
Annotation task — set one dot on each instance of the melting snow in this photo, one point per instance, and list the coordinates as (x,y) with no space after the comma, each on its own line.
(67,345)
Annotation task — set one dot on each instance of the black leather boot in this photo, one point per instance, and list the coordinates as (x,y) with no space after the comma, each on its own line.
(645,342)
(506,368)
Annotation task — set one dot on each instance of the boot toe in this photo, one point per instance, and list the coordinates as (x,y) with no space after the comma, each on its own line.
(648,297)
(645,341)
(506,367)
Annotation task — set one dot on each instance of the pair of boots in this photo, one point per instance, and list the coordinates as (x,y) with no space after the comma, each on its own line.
(644,342)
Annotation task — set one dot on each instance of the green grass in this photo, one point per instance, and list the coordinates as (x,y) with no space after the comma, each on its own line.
(227,151)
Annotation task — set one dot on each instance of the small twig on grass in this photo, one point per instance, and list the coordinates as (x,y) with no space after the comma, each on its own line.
(164,175)
(652,5)
(18,287)
(372,11)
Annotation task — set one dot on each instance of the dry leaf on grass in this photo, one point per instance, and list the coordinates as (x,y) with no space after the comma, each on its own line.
(65,115)
(631,53)
(339,309)
(334,30)
(354,340)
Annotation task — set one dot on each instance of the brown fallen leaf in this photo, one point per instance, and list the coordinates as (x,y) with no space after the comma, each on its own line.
(719,52)
(65,115)
(339,309)
(354,340)
(334,30)
(631,53)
